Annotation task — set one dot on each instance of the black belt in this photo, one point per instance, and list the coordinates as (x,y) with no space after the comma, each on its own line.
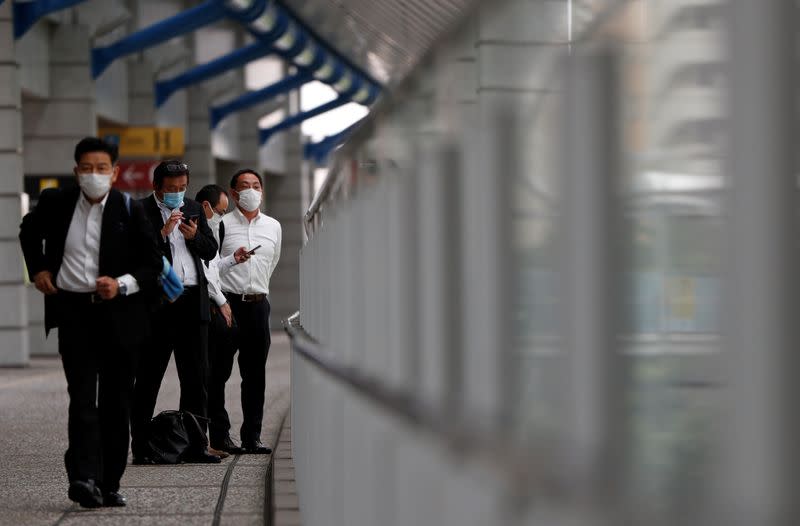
(246,298)
(81,297)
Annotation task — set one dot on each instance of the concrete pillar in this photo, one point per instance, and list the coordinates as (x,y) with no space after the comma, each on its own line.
(141,100)
(283,200)
(51,129)
(198,141)
(14,343)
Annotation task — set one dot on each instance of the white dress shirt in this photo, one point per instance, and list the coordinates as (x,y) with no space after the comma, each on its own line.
(182,260)
(79,267)
(213,270)
(252,276)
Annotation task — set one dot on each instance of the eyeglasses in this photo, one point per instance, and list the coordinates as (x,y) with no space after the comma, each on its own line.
(176,167)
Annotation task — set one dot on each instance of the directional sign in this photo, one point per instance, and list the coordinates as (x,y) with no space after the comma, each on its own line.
(135,175)
(146,141)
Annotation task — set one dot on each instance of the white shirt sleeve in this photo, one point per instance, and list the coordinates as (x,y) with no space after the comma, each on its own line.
(226,263)
(130,283)
(212,275)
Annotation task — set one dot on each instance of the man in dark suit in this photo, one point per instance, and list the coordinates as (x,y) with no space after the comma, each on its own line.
(93,253)
(186,240)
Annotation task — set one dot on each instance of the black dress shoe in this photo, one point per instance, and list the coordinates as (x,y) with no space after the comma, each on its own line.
(201,457)
(113,499)
(256,448)
(228,446)
(85,493)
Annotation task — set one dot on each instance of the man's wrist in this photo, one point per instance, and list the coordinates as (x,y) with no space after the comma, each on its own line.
(122,288)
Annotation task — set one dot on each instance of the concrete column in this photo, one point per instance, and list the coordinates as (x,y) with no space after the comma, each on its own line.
(141,100)
(14,346)
(283,200)
(198,154)
(52,127)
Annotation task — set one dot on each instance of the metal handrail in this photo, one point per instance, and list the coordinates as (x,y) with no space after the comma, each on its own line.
(524,471)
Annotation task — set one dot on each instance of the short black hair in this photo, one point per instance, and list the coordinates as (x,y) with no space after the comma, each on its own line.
(169,168)
(235,178)
(210,193)
(95,144)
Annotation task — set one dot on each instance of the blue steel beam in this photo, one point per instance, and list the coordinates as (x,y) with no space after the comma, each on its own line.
(165,88)
(27,13)
(264,134)
(217,113)
(319,151)
(185,22)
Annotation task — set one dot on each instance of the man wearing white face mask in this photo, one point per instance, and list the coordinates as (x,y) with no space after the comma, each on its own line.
(94,255)
(246,287)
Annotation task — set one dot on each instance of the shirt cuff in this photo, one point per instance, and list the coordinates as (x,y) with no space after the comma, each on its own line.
(219,299)
(131,284)
(226,263)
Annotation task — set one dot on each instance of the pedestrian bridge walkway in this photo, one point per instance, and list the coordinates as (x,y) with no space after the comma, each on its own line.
(239,491)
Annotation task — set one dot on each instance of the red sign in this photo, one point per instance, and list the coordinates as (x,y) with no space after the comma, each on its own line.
(135,175)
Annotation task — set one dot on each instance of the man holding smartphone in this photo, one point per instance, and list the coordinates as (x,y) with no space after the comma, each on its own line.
(182,326)
(246,286)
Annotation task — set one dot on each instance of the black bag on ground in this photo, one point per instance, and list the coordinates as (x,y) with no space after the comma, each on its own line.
(175,435)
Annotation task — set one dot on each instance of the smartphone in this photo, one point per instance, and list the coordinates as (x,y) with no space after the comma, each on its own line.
(194,218)
(254,250)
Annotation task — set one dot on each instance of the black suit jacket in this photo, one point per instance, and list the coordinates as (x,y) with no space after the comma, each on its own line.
(202,247)
(127,246)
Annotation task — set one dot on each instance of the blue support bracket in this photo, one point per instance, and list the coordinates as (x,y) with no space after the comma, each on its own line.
(27,13)
(187,21)
(217,113)
(319,151)
(165,88)
(264,134)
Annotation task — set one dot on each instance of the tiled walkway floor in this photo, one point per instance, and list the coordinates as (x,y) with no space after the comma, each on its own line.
(33,484)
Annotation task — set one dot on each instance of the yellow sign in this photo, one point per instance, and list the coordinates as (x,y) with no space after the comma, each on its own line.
(146,141)
(48,182)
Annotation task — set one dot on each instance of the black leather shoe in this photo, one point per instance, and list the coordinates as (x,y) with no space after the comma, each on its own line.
(256,448)
(228,446)
(85,493)
(201,457)
(113,499)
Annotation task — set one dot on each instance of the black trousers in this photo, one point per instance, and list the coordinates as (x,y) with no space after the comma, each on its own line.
(175,327)
(99,365)
(253,343)
(221,350)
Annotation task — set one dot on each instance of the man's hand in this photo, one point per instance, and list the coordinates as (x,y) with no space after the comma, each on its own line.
(43,281)
(241,255)
(107,287)
(188,229)
(172,220)
(225,310)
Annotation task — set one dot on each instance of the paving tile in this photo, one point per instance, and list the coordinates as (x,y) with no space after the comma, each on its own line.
(287,502)
(170,500)
(287,518)
(177,475)
(283,474)
(244,499)
(112,519)
(285,487)
(241,519)
(249,475)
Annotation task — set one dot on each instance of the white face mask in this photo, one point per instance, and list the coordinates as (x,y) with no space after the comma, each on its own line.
(249,199)
(215,220)
(94,185)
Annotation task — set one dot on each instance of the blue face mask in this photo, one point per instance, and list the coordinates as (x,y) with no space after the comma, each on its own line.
(173,199)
